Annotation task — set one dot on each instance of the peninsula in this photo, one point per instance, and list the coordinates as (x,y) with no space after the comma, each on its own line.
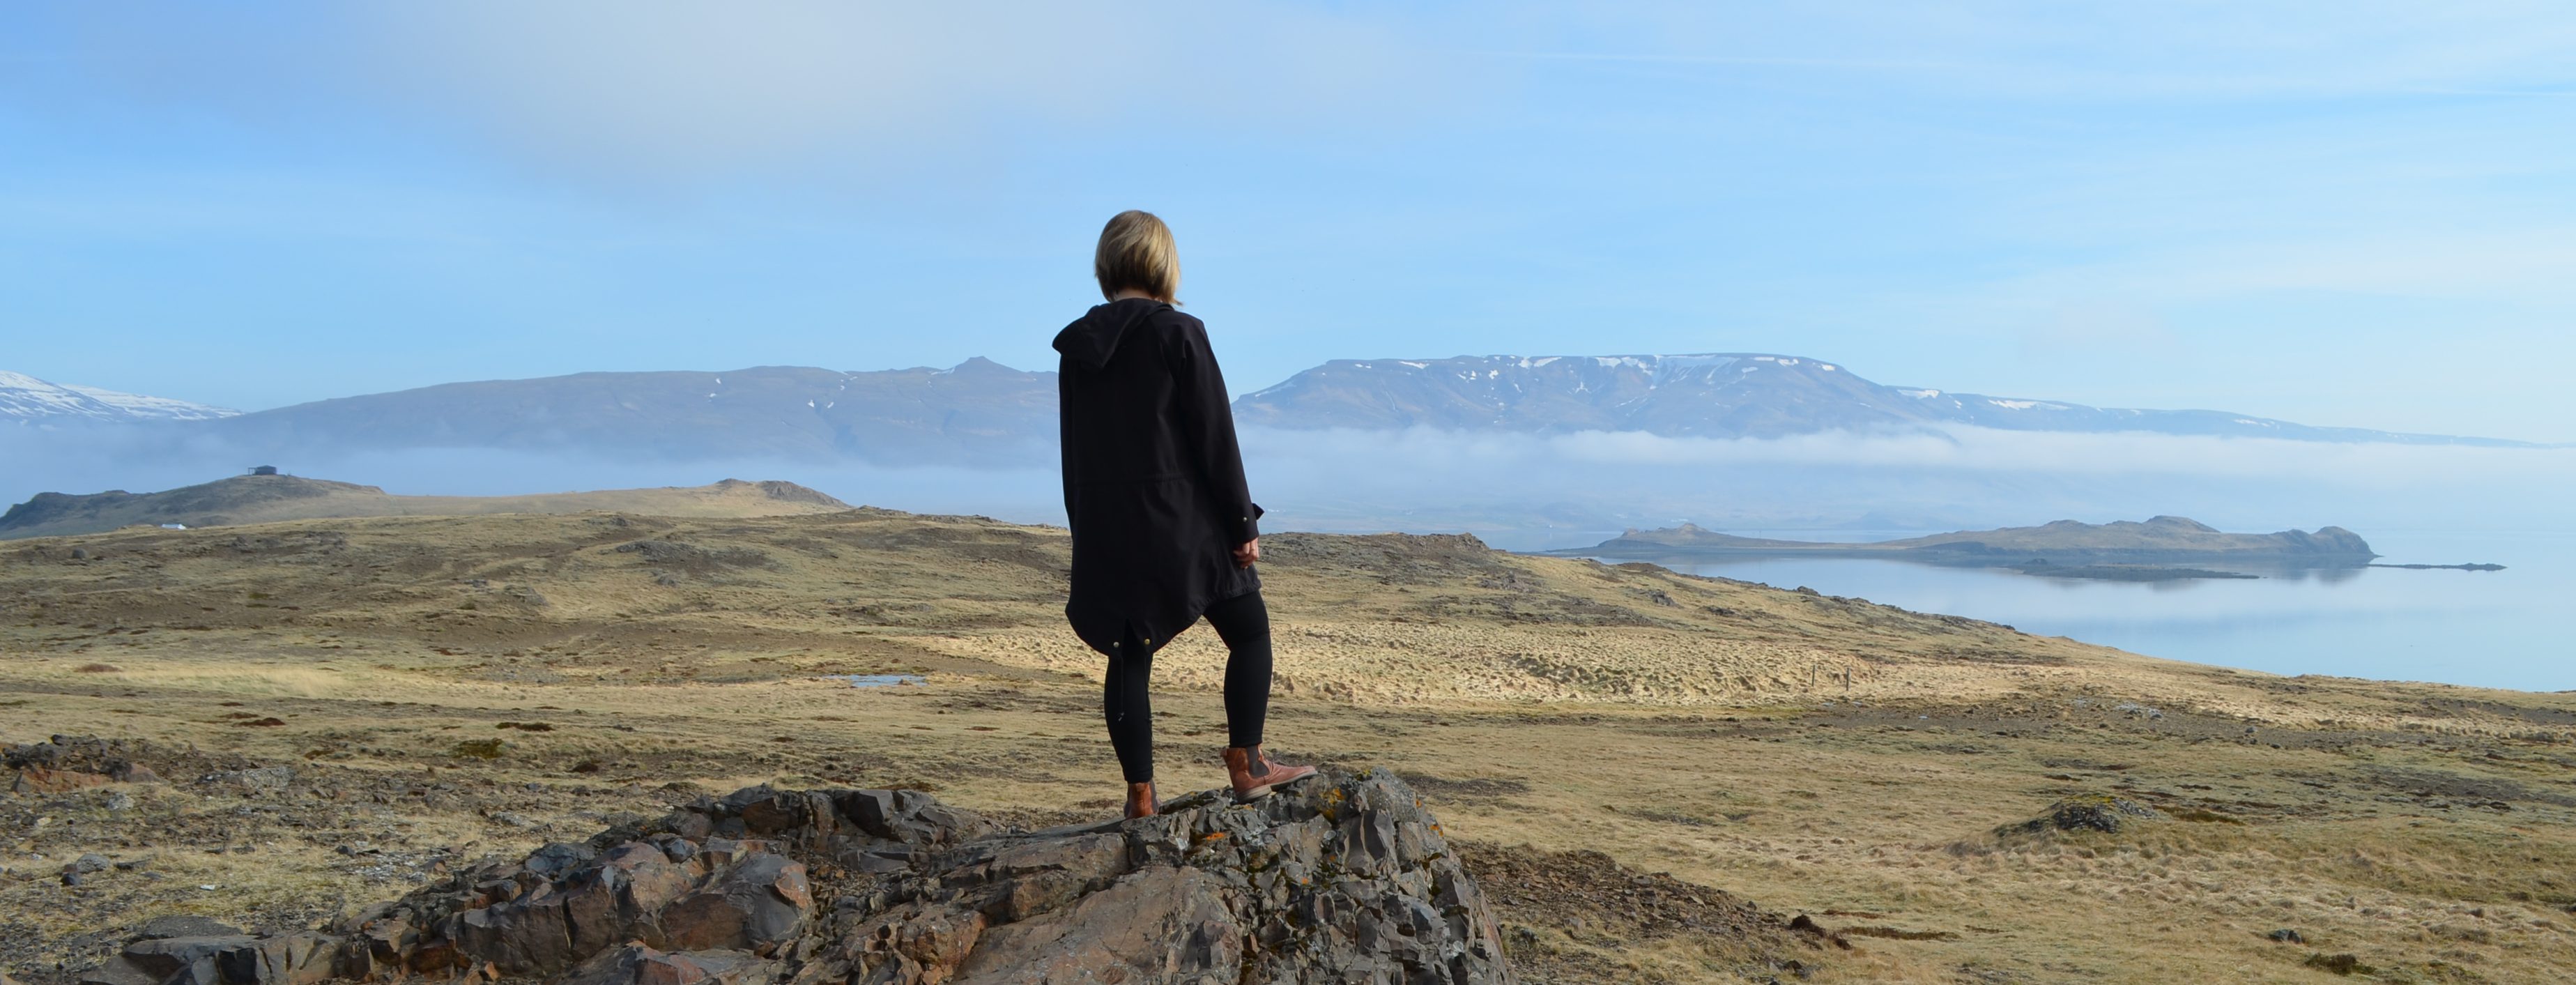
(2161,547)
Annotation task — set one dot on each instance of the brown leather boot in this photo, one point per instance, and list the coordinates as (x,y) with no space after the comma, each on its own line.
(1140,800)
(1254,774)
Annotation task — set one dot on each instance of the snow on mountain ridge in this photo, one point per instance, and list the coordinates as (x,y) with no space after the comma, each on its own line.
(1709,394)
(30,400)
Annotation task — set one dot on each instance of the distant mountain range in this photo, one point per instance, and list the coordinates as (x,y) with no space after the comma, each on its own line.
(978,411)
(981,412)
(27,400)
(272,498)
(1715,395)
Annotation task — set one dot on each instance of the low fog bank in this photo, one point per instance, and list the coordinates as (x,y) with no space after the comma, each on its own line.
(1526,491)
(104,459)
(1530,492)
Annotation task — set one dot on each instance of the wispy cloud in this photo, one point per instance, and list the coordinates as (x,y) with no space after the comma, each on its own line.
(687,90)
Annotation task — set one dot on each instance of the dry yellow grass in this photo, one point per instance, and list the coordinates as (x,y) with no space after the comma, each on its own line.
(1816,755)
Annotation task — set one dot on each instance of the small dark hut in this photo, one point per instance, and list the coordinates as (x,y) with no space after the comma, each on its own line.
(263,470)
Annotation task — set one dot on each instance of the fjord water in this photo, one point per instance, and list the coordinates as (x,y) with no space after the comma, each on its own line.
(2508,629)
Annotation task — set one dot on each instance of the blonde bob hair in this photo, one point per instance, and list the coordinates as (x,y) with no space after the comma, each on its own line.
(1136,252)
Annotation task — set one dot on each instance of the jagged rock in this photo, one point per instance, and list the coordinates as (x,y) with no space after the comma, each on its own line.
(758,902)
(179,960)
(1339,879)
(1162,922)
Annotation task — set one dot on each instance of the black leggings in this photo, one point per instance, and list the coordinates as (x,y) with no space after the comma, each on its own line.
(1243,622)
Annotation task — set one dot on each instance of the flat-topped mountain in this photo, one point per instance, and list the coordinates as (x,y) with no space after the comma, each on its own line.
(27,400)
(1717,395)
(269,498)
(976,411)
(2159,540)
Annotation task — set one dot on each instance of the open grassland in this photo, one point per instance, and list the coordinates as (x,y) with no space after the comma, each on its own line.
(443,688)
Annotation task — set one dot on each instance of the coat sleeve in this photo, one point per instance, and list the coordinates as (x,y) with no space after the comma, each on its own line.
(1207,429)
(1064,435)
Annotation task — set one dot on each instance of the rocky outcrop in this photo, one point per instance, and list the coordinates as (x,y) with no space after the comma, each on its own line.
(67,763)
(2088,812)
(1343,878)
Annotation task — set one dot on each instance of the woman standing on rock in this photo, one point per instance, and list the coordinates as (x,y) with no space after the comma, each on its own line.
(1163,525)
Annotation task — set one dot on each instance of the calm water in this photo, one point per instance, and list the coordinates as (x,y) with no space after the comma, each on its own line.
(2507,628)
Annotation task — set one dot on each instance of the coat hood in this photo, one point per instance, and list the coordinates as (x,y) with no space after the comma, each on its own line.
(1094,337)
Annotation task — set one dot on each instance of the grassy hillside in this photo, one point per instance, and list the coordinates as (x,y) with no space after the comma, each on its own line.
(273,498)
(446,687)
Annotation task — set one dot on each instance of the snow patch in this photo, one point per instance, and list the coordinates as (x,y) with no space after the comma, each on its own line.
(27,398)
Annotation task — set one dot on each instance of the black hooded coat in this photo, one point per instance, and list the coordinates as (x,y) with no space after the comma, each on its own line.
(1153,480)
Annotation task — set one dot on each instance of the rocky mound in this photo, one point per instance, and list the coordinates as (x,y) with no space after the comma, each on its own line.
(1341,878)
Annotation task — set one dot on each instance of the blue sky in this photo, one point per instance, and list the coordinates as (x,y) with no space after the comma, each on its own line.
(2355,214)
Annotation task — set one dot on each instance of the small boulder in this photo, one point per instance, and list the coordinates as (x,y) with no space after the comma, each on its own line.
(194,957)
(761,901)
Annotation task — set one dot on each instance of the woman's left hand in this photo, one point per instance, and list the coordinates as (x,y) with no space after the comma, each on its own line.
(1248,553)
